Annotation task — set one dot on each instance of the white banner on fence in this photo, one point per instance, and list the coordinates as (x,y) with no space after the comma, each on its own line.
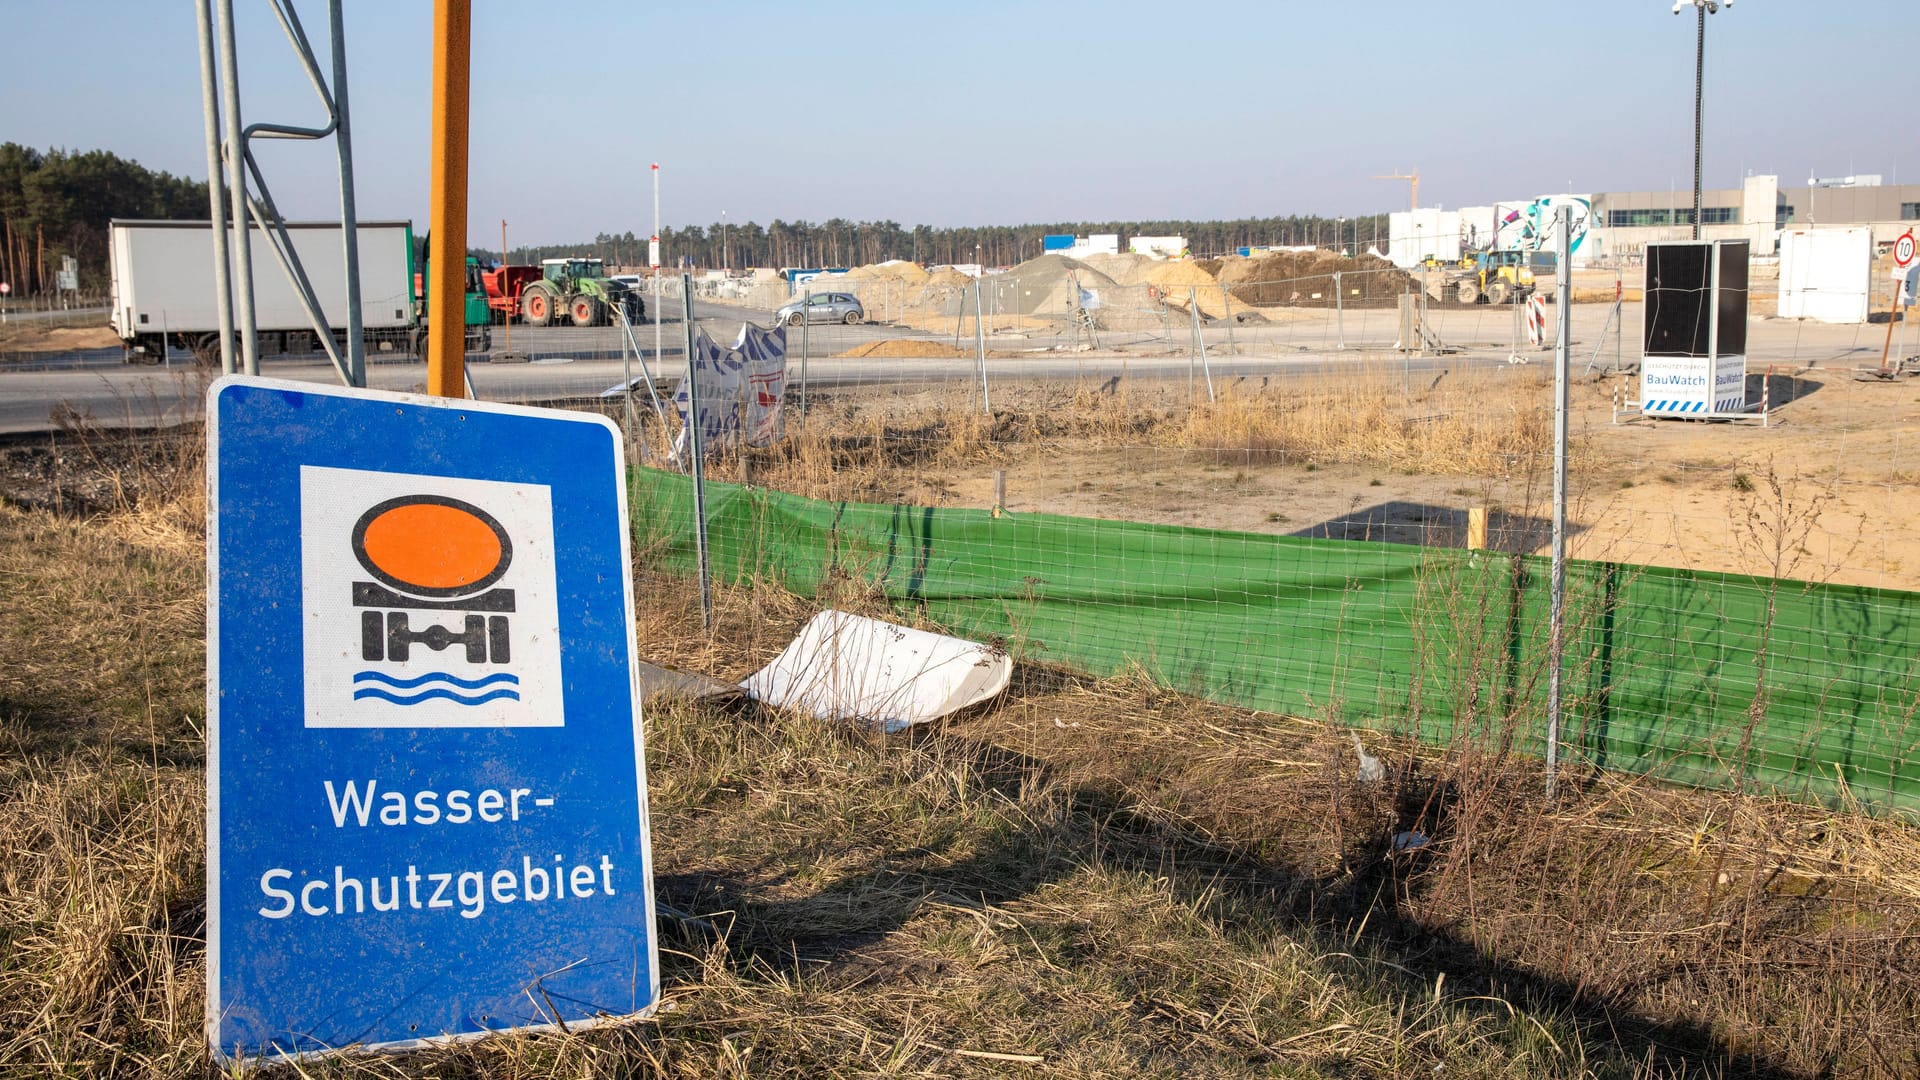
(765,386)
(741,390)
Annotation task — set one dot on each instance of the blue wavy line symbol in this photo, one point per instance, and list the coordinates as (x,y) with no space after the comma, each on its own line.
(501,683)
(435,676)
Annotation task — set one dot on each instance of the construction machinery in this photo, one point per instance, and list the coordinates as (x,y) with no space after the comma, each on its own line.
(503,285)
(1498,277)
(579,290)
(477,316)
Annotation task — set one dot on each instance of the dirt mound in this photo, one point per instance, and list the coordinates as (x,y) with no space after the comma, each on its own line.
(28,338)
(905,348)
(1177,281)
(948,278)
(891,270)
(1127,269)
(1044,285)
(901,270)
(1282,278)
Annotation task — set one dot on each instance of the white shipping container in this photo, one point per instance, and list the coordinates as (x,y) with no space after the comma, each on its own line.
(1825,274)
(162,277)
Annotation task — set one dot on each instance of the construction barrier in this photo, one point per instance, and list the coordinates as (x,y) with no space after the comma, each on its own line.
(1703,678)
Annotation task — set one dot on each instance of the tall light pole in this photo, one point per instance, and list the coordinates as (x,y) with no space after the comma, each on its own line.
(1701,9)
(726,258)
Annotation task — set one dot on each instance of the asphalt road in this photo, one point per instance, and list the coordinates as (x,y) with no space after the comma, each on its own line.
(121,396)
(560,363)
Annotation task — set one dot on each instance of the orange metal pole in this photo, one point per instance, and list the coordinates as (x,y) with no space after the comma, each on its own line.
(447,225)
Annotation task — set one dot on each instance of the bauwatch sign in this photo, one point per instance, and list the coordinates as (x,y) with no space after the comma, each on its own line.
(426,793)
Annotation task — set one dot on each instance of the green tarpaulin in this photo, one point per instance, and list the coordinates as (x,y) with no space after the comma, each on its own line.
(1676,673)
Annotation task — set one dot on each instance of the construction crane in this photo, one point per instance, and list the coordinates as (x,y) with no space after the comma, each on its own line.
(1414,200)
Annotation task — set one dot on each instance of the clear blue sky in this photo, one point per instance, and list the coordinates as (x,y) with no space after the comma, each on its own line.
(997,112)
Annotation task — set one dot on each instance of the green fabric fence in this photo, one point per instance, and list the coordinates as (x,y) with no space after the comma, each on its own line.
(1703,678)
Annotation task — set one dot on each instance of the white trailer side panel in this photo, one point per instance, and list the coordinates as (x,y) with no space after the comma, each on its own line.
(1826,274)
(162,276)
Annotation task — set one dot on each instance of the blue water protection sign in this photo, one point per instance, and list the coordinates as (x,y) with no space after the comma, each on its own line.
(426,789)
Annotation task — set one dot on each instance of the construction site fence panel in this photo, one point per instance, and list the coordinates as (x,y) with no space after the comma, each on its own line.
(1376,309)
(1719,680)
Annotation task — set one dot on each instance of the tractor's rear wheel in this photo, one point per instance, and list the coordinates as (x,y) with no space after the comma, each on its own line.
(536,306)
(1496,292)
(584,310)
(1467,292)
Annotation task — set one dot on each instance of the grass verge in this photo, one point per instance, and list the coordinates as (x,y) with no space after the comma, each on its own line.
(1087,878)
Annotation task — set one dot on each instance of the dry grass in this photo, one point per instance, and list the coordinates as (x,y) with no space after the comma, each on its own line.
(872,448)
(1087,878)
(1480,423)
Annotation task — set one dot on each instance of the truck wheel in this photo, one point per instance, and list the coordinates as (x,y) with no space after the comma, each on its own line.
(1496,292)
(584,310)
(1467,292)
(536,306)
(205,349)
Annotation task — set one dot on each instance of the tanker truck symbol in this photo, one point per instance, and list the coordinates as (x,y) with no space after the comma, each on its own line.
(432,557)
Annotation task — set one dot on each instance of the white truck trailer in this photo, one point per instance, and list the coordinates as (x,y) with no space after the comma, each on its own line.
(162,282)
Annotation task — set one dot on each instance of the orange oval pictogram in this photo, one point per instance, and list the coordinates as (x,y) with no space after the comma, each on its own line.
(432,545)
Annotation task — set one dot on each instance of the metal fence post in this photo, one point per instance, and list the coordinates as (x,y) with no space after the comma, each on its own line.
(806,320)
(980,345)
(1226,301)
(1339,312)
(696,445)
(1557,617)
(1199,341)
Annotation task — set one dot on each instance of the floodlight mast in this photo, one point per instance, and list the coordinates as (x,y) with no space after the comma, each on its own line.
(1702,9)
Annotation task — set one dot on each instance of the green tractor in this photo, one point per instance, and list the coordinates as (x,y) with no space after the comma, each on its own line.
(577,289)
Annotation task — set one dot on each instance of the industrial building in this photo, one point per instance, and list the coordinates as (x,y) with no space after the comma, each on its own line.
(1620,225)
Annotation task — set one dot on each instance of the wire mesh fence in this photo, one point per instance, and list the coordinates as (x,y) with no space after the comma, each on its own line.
(1325,492)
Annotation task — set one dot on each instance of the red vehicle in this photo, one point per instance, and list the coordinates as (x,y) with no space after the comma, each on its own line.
(504,285)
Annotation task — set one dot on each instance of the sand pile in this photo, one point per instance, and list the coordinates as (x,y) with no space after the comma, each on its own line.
(898,270)
(905,348)
(1177,281)
(32,337)
(1127,269)
(1044,286)
(1285,278)
(948,278)
(942,288)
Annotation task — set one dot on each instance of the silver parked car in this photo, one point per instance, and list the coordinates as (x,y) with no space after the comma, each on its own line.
(822,307)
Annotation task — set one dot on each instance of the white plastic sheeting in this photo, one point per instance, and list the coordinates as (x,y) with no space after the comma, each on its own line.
(845,666)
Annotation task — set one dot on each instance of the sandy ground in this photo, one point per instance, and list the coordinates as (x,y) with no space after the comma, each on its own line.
(1828,491)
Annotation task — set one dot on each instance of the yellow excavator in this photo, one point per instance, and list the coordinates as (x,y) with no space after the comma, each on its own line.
(1500,277)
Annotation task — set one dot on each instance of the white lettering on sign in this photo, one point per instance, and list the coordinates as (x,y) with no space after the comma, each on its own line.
(363,806)
(338,893)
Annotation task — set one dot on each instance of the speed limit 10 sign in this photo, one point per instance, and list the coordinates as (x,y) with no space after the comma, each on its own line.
(1903,250)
